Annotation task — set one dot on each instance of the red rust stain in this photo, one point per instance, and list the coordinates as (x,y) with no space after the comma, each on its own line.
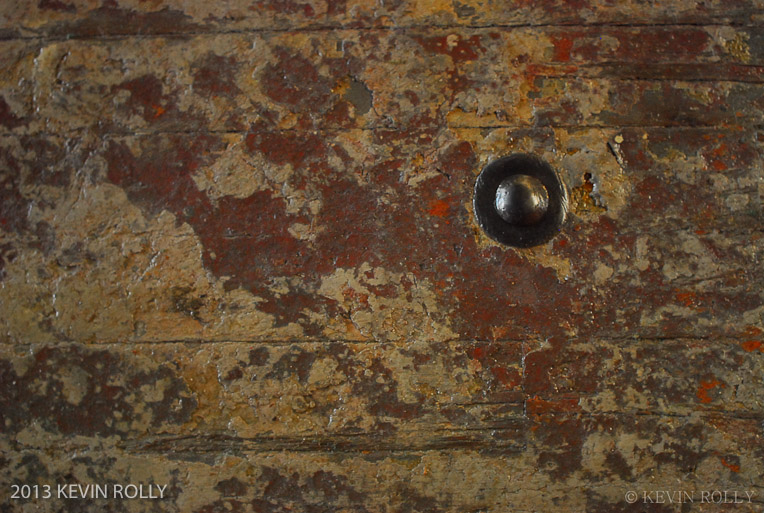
(733,468)
(340,115)
(478,353)
(458,48)
(285,147)
(507,377)
(705,386)
(559,369)
(660,43)
(162,179)
(654,191)
(438,208)
(562,48)
(752,345)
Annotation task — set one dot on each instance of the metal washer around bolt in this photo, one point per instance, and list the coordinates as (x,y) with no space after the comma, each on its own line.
(520,235)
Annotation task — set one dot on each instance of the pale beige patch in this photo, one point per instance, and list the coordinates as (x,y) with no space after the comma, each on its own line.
(412,312)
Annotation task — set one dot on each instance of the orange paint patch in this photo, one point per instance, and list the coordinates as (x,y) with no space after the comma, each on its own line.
(686,298)
(538,406)
(705,386)
(734,468)
(720,150)
(438,208)
(158,110)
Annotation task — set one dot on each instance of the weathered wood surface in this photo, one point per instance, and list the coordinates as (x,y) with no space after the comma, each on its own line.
(237,254)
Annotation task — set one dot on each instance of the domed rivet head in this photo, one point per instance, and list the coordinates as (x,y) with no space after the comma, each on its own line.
(520,201)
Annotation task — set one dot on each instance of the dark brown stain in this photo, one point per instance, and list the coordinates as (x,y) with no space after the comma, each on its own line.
(103,403)
(7,118)
(56,5)
(185,302)
(146,97)
(214,75)
(232,487)
(113,20)
(295,81)
(296,362)
(7,255)
(323,491)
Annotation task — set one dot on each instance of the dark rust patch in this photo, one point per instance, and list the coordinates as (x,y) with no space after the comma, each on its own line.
(146,97)
(296,362)
(186,302)
(113,20)
(284,7)
(232,487)
(215,75)
(295,81)
(101,382)
(7,118)
(56,5)
(282,492)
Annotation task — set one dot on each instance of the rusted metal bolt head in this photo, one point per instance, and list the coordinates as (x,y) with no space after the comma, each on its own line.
(521,200)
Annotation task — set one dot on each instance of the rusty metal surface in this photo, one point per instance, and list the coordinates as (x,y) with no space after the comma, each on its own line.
(238,255)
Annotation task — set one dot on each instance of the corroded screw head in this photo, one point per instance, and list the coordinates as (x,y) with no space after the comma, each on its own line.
(521,200)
